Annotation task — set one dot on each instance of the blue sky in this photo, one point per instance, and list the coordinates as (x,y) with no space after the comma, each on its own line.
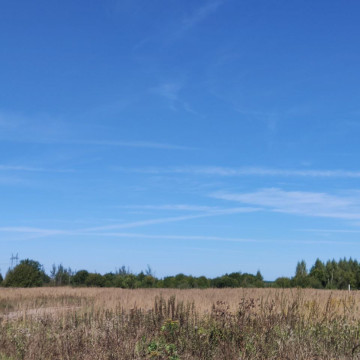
(201,137)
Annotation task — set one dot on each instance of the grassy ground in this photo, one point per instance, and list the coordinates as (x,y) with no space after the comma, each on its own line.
(65,323)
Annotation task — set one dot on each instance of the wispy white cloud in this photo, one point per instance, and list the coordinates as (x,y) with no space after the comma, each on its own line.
(103,230)
(25,168)
(172,207)
(330,231)
(33,230)
(245,171)
(141,223)
(170,91)
(25,233)
(110,143)
(177,237)
(133,144)
(299,202)
(35,128)
(28,233)
(179,27)
(48,130)
(199,15)
(19,168)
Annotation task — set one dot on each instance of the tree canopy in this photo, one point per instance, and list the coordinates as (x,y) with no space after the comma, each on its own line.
(29,273)
(330,275)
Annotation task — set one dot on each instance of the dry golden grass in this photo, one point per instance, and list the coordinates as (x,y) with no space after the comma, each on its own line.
(170,324)
(13,299)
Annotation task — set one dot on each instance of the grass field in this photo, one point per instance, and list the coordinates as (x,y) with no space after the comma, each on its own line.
(82,323)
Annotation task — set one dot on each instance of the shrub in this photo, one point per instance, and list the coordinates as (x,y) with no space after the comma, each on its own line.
(94,279)
(28,273)
(283,282)
(80,278)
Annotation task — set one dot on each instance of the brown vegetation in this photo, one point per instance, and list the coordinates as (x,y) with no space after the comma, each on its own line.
(68,323)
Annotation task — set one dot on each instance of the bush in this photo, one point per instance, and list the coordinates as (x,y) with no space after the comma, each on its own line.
(79,279)
(28,273)
(283,282)
(95,280)
(109,279)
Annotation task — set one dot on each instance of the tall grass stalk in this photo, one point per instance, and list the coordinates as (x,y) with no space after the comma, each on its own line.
(189,324)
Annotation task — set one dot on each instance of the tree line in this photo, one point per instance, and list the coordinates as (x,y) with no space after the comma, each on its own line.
(330,275)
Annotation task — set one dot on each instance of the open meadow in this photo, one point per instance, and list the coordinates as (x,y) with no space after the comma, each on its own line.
(81,323)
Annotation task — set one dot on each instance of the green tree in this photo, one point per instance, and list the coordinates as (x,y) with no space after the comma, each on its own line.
(191,282)
(95,280)
(180,281)
(347,274)
(169,282)
(300,279)
(29,273)
(301,270)
(258,276)
(347,278)
(109,279)
(332,271)
(148,281)
(249,280)
(1,279)
(149,271)
(122,271)
(224,281)
(61,276)
(318,272)
(314,283)
(203,282)
(141,276)
(130,281)
(79,279)
(283,282)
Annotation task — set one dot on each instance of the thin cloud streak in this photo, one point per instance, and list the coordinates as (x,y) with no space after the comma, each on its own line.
(299,202)
(336,231)
(32,230)
(142,223)
(110,143)
(221,239)
(171,207)
(133,144)
(35,233)
(199,15)
(176,237)
(244,171)
(25,130)
(135,224)
(172,219)
(32,169)
(170,91)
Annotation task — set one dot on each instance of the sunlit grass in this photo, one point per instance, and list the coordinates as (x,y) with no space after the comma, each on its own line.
(67,323)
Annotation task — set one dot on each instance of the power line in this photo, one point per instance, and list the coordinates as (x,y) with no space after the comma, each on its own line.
(14,258)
